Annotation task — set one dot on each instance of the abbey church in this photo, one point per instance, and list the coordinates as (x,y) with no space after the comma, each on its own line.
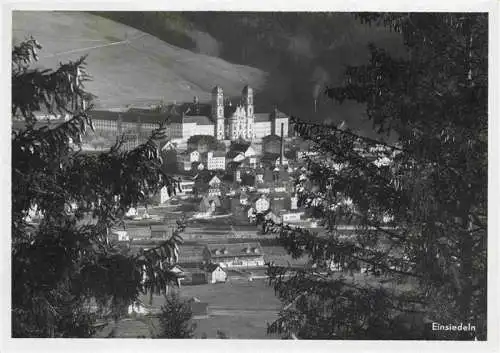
(219,118)
(226,121)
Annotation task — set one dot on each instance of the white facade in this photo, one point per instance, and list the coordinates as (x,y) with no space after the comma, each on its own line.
(217,275)
(215,181)
(190,129)
(174,131)
(215,162)
(241,262)
(138,308)
(262,129)
(250,152)
(164,196)
(293,202)
(186,186)
(278,122)
(194,156)
(262,204)
(121,235)
(291,216)
(239,157)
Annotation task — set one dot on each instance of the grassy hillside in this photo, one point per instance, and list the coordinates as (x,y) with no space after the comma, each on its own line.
(129,66)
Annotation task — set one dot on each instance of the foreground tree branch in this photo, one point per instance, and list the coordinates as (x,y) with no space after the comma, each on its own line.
(417,207)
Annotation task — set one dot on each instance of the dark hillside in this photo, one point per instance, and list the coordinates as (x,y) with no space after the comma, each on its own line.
(302,52)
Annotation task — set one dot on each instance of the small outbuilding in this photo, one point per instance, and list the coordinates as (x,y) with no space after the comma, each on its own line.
(215,273)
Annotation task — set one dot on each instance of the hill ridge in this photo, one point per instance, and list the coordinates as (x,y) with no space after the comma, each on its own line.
(130,67)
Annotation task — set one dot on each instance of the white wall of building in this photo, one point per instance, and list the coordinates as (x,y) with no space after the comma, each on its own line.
(188,130)
(215,163)
(292,216)
(205,130)
(280,121)
(262,129)
(239,262)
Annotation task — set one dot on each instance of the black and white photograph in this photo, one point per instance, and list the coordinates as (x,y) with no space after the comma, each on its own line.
(249,175)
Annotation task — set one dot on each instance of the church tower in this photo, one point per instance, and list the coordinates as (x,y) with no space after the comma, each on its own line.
(247,98)
(218,112)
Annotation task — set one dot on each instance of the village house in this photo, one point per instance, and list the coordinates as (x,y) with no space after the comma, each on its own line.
(270,215)
(160,198)
(264,190)
(186,186)
(216,160)
(262,204)
(278,202)
(215,273)
(209,204)
(179,273)
(119,235)
(201,143)
(271,144)
(197,166)
(214,186)
(237,255)
(259,175)
(194,156)
(184,161)
(291,216)
(190,256)
(235,156)
(161,231)
(168,146)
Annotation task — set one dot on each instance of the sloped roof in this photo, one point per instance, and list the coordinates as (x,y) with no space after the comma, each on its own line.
(235,249)
(197,119)
(232,154)
(190,254)
(270,138)
(160,227)
(213,267)
(144,116)
(277,114)
(239,146)
(262,117)
(219,154)
(270,156)
(214,179)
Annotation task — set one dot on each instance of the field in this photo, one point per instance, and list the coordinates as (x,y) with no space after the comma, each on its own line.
(129,67)
(240,309)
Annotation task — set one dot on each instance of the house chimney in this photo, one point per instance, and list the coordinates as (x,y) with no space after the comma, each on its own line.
(282,147)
